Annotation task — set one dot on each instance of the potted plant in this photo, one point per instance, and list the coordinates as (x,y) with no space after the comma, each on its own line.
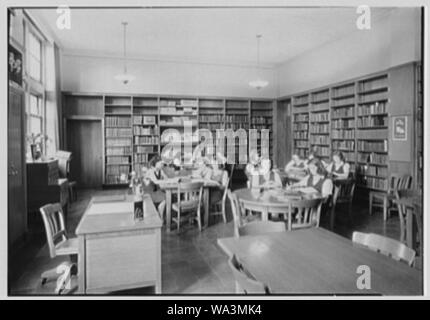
(35,142)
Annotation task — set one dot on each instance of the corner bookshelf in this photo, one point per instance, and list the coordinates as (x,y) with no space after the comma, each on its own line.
(301,125)
(146,133)
(237,116)
(372,131)
(262,118)
(118,139)
(211,117)
(320,124)
(419,129)
(180,114)
(343,137)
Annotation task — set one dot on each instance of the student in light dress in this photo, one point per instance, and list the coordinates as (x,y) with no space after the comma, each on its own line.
(338,168)
(268,176)
(316,179)
(218,174)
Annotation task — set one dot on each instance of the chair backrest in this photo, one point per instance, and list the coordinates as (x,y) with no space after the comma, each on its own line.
(246,282)
(255,228)
(236,211)
(404,193)
(343,190)
(190,191)
(386,246)
(309,212)
(64,158)
(400,182)
(55,227)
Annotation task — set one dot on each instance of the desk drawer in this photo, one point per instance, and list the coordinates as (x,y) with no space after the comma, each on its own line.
(120,261)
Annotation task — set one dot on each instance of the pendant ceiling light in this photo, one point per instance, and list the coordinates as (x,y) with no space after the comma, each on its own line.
(125,77)
(258,83)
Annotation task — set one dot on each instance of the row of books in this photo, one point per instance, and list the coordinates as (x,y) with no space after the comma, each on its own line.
(380,96)
(320,139)
(344,101)
(375,158)
(372,84)
(260,126)
(318,96)
(118,132)
(148,120)
(118,121)
(322,151)
(300,135)
(211,126)
(342,134)
(323,116)
(301,144)
(140,130)
(179,121)
(260,120)
(118,151)
(349,157)
(235,126)
(236,118)
(343,91)
(141,158)
(372,121)
(118,170)
(344,145)
(117,160)
(372,146)
(118,142)
(211,118)
(376,171)
(146,140)
(377,107)
(300,127)
(375,183)
(144,149)
(267,114)
(320,128)
(301,118)
(343,124)
(343,112)
(115,179)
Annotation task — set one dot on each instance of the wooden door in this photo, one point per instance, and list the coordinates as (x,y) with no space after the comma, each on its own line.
(17,215)
(85,141)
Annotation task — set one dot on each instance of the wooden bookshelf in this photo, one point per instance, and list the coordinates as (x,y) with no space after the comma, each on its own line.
(319,120)
(300,119)
(262,118)
(237,116)
(343,122)
(211,117)
(419,128)
(118,139)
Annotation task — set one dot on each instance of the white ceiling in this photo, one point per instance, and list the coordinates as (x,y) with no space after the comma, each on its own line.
(204,35)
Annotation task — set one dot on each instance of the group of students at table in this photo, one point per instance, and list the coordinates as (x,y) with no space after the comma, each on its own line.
(313,172)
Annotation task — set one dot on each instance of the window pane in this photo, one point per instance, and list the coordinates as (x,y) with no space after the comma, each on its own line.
(34,46)
(34,68)
(35,105)
(35,125)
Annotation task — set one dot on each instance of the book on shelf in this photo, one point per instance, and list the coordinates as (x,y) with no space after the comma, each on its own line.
(375,83)
(118,151)
(377,107)
(378,96)
(118,121)
(144,149)
(319,117)
(146,140)
(343,145)
(301,117)
(211,118)
(319,96)
(343,134)
(140,130)
(343,112)
(118,132)
(300,127)
(343,102)
(320,128)
(344,90)
(121,142)
(343,124)
(117,160)
(372,146)
(320,140)
(374,158)
(300,135)
(372,121)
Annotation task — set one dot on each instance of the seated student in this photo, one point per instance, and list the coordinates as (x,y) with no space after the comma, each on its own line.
(268,177)
(152,179)
(296,164)
(252,169)
(201,168)
(219,175)
(316,179)
(339,169)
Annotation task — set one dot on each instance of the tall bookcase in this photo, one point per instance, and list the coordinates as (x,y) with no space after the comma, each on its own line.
(118,139)
(211,117)
(237,115)
(262,118)
(320,124)
(301,125)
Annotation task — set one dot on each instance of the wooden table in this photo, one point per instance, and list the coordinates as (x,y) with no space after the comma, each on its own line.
(171,185)
(317,261)
(271,201)
(115,251)
(291,177)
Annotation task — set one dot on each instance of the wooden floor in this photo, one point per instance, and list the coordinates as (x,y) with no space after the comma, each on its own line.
(191,261)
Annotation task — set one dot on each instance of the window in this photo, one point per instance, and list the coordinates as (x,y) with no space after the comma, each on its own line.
(34,57)
(35,115)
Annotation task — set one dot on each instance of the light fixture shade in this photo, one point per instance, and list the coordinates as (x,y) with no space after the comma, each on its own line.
(259,84)
(125,77)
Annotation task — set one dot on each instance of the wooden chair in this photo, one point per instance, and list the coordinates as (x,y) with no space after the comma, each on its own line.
(386,246)
(343,194)
(245,282)
(239,216)
(384,200)
(59,243)
(220,205)
(308,213)
(255,228)
(400,194)
(189,199)
(64,159)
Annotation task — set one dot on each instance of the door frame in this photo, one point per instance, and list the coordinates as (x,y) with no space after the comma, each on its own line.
(87,118)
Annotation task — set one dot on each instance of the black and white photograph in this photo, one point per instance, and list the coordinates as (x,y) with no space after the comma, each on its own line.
(214,151)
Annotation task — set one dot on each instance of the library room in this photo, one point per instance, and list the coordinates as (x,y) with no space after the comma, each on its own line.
(215,151)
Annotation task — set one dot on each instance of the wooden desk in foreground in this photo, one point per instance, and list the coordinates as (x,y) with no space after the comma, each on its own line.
(115,251)
(317,261)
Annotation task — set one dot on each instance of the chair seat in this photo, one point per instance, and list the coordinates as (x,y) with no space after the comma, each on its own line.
(186,205)
(68,247)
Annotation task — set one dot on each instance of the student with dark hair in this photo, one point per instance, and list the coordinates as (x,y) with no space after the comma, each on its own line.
(296,164)
(339,169)
(316,179)
(153,176)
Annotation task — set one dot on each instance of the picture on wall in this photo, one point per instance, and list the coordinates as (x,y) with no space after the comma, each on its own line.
(15,65)
(400,128)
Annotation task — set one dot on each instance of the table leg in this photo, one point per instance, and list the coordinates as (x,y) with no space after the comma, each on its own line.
(290,217)
(168,209)
(409,228)
(265,214)
(206,207)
